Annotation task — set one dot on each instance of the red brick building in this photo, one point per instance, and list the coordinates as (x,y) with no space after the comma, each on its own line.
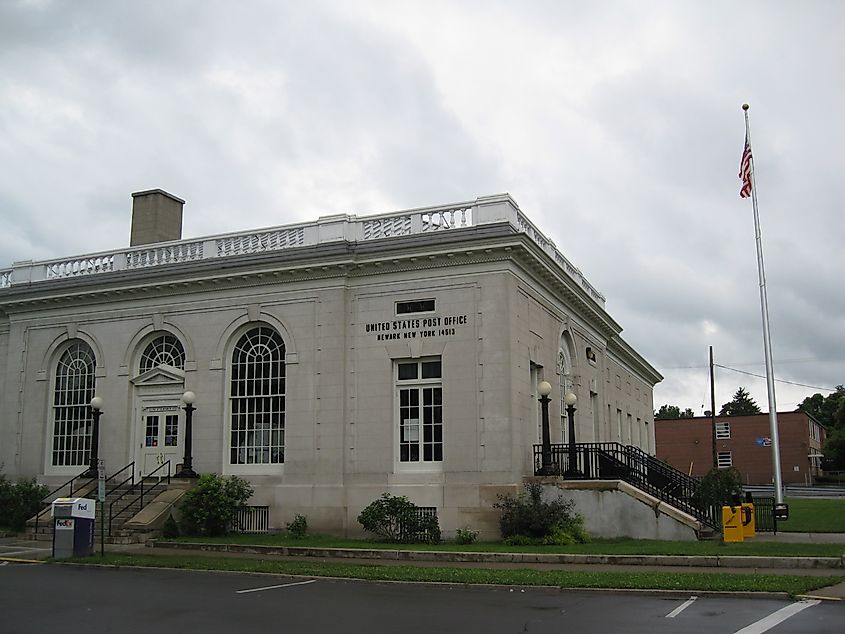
(743,442)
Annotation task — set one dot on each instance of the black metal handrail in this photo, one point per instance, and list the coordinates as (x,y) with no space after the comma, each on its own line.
(116,513)
(131,478)
(47,500)
(614,461)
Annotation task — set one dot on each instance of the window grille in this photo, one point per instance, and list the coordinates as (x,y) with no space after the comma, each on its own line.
(163,350)
(252,520)
(72,418)
(723,430)
(258,398)
(420,410)
(724,459)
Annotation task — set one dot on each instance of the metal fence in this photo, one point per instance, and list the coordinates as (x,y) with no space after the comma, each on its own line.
(764,515)
(252,520)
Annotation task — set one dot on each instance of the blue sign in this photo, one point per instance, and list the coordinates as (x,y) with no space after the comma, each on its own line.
(763,442)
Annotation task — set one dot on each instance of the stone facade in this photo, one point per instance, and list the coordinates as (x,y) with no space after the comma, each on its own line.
(355,302)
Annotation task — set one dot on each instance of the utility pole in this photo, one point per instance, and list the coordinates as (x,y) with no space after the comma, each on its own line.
(712,408)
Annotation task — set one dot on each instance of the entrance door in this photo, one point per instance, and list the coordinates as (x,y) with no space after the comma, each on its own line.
(160,428)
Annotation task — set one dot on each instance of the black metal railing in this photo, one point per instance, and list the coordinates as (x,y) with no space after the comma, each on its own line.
(614,461)
(119,505)
(86,485)
(764,515)
(47,500)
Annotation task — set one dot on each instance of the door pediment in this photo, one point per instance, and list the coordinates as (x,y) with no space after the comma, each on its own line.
(161,375)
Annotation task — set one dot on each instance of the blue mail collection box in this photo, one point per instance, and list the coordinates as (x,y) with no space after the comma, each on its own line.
(73,527)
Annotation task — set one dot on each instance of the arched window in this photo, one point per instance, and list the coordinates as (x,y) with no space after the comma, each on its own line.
(72,395)
(257,398)
(564,369)
(163,350)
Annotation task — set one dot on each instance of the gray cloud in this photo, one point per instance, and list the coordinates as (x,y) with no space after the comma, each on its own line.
(616,126)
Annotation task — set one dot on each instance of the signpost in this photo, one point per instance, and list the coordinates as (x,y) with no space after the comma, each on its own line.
(101,494)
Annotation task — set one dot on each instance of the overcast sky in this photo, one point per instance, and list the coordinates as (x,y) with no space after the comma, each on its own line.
(617,127)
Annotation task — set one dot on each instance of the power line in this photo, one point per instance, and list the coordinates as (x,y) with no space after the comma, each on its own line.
(759,376)
(777,361)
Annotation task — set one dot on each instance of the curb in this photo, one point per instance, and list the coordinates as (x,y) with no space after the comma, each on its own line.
(19,560)
(696,561)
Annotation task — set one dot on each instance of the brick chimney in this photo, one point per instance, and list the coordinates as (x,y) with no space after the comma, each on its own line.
(156,217)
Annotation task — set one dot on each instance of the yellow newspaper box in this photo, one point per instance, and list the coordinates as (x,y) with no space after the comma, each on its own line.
(732,524)
(749,527)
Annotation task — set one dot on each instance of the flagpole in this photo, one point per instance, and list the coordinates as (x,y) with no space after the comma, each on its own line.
(767,342)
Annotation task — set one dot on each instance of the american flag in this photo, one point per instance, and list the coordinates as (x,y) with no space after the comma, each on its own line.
(745,169)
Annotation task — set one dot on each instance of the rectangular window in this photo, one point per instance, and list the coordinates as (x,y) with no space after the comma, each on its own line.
(619,425)
(415,306)
(724,460)
(723,430)
(171,430)
(420,396)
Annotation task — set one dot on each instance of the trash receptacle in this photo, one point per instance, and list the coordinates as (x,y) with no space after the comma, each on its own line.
(73,527)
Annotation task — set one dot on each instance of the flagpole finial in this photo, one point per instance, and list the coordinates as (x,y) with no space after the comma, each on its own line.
(745,107)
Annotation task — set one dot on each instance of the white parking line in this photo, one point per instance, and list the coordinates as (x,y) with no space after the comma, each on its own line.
(9,553)
(284,585)
(775,618)
(681,608)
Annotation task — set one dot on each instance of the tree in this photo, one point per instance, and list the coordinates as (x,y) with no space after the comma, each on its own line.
(825,408)
(668,412)
(673,412)
(741,405)
(830,411)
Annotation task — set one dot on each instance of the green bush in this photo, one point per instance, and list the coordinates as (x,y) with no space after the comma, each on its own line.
(170,528)
(571,532)
(719,487)
(466,536)
(528,515)
(19,501)
(298,528)
(212,506)
(395,519)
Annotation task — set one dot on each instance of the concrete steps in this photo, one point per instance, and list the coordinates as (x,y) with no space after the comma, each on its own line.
(121,503)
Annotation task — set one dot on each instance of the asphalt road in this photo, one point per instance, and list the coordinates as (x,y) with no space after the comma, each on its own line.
(38,598)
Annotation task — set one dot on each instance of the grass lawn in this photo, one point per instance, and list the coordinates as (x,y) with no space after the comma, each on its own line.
(793,584)
(596,547)
(814,515)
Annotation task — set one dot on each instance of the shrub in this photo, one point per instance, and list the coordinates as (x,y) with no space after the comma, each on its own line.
(396,519)
(466,536)
(718,487)
(519,540)
(212,506)
(170,528)
(19,501)
(571,532)
(298,527)
(528,515)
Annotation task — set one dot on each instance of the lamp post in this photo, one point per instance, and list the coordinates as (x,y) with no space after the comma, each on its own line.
(572,470)
(187,470)
(96,409)
(546,468)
